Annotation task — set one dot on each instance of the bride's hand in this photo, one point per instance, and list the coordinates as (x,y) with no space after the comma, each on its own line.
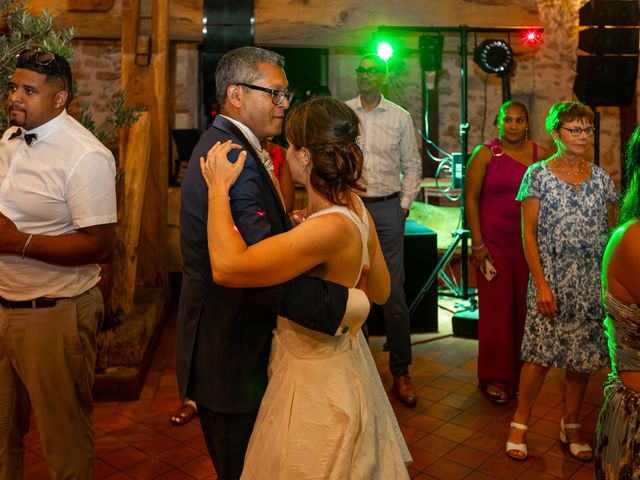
(218,172)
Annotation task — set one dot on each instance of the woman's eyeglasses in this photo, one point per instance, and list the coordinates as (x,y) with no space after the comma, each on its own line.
(277,96)
(576,131)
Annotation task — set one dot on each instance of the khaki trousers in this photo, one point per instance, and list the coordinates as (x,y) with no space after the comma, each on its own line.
(47,361)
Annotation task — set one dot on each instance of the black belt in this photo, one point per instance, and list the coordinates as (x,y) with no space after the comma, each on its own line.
(380,199)
(36,303)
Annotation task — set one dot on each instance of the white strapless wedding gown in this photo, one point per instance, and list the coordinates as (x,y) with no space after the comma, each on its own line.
(325,414)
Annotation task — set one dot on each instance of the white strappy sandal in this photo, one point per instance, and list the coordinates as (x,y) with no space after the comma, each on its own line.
(517,447)
(574,448)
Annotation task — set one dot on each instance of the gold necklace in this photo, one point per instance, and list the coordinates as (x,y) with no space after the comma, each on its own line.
(578,173)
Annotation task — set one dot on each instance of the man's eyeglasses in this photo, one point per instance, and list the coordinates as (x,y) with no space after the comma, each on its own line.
(576,131)
(277,96)
(371,71)
(41,58)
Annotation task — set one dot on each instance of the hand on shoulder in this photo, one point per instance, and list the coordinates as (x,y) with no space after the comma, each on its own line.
(218,172)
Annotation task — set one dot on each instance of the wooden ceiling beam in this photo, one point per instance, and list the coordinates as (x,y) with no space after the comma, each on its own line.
(102,19)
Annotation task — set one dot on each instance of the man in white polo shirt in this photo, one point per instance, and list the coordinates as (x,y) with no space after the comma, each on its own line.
(57,221)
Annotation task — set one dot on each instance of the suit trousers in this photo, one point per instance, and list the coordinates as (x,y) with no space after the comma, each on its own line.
(227,437)
(390,221)
(47,361)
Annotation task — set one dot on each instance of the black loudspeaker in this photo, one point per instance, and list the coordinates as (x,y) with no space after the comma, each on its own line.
(465,323)
(185,140)
(601,41)
(226,24)
(307,70)
(605,77)
(431,52)
(618,13)
(420,258)
(606,80)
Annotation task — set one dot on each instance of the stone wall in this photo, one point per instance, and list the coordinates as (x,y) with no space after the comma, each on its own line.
(543,75)
(96,70)
(556,70)
(484,91)
(186,86)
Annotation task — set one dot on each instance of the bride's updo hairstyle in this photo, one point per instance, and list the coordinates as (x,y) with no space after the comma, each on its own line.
(329,130)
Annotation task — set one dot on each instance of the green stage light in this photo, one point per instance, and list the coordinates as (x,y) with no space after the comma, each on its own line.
(385,50)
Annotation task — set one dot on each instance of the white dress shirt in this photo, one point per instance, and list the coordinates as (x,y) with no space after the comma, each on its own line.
(63,182)
(265,158)
(392,160)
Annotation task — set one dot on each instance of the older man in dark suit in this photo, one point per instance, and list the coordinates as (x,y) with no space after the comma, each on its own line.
(224,334)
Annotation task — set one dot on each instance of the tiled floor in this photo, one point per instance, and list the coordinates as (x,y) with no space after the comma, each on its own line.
(454,432)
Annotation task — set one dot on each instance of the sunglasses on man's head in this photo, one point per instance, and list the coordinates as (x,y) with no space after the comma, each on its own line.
(41,57)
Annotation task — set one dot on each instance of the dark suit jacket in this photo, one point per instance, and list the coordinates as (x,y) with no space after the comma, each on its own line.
(224,334)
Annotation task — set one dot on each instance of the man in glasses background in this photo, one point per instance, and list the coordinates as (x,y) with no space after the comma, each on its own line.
(392,172)
(57,222)
(224,334)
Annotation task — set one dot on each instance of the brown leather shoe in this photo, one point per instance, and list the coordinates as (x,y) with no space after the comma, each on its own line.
(405,391)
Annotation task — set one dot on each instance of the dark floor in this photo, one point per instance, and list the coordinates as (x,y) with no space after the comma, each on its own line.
(453,433)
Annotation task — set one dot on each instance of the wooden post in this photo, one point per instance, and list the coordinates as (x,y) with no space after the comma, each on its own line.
(147,85)
(123,265)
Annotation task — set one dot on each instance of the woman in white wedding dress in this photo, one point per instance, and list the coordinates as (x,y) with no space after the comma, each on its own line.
(325,414)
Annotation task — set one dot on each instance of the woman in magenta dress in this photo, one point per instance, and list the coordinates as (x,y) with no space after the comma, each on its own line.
(493,176)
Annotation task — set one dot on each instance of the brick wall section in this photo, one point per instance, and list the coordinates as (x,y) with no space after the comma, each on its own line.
(96,70)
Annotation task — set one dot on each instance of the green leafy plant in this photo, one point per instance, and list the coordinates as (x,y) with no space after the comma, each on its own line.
(120,116)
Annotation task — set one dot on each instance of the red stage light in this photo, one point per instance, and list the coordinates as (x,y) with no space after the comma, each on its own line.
(532,37)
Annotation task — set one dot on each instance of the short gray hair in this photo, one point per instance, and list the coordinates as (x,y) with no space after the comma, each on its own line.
(241,66)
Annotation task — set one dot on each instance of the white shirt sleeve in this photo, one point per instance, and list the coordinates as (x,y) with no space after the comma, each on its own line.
(91,190)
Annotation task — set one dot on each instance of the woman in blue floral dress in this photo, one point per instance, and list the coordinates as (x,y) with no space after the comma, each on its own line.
(568,208)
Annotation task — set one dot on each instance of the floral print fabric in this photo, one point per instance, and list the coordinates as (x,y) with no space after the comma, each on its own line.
(572,233)
(618,434)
